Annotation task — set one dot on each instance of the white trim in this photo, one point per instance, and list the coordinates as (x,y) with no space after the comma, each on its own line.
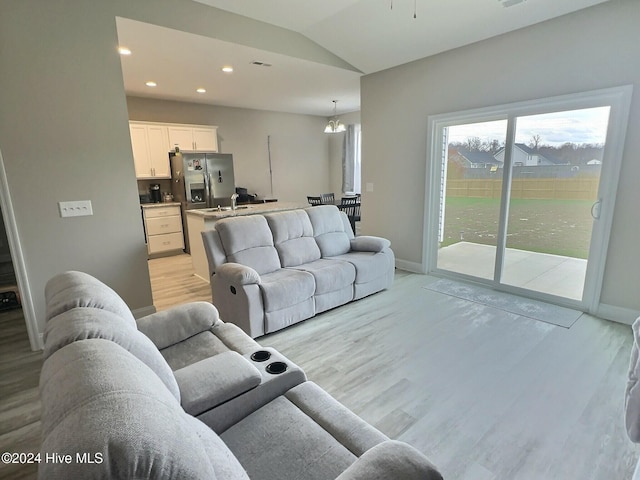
(413,267)
(617,314)
(17,257)
(619,98)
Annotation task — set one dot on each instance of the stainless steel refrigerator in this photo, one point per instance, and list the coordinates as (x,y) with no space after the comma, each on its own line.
(201,180)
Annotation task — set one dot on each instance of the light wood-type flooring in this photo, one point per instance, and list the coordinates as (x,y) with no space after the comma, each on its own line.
(19,397)
(485,394)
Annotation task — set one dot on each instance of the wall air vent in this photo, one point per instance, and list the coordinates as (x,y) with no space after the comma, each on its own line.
(511,3)
(260,64)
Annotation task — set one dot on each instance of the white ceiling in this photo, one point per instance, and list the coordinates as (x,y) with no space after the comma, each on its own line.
(368,34)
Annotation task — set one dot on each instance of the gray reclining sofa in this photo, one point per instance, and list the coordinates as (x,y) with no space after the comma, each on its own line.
(182,395)
(271,271)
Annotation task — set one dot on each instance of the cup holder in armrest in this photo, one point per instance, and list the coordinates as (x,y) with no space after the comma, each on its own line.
(276,367)
(261,356)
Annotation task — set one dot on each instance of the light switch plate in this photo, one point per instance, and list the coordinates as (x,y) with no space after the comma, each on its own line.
(369,187)
(79,208)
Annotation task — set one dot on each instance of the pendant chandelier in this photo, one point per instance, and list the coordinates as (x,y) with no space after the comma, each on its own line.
(334,125)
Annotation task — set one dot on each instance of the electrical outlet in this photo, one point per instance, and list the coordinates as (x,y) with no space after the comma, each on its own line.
(78,208)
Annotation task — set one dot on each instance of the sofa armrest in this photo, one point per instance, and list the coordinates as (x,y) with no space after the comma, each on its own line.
(175,325)
(391,460)
(235,273)
(368,243)
(215,380)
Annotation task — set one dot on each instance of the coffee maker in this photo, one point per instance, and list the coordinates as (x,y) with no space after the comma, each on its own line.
(154,190)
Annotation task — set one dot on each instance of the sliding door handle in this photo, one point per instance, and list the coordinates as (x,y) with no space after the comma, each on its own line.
(595,209)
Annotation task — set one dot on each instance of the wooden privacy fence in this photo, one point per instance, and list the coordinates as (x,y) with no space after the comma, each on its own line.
(576,188)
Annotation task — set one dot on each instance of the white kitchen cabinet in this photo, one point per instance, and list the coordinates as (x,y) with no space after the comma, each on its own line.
(205,139)
(199,138)
(150,143)
(163,228)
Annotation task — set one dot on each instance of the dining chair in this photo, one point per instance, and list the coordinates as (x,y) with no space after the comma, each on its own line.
(314,200)
(353,200)
(349,209)
(328,198)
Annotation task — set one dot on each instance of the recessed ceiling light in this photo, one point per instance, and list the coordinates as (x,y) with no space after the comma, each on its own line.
(201,90)
(124,51)
(151,84)
(227,69)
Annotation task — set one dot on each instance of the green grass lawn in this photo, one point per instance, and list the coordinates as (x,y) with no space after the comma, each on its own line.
(560,227)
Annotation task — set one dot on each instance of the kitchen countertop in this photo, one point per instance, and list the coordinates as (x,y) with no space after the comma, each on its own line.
(256,208)
(160,205)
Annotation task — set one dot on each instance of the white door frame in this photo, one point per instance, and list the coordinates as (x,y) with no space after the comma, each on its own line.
(17,258)
(619,98)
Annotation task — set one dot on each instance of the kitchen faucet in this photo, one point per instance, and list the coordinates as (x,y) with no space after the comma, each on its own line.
(233,201)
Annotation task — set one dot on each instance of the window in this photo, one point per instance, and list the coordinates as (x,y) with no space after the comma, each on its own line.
(351,160)
(541,206)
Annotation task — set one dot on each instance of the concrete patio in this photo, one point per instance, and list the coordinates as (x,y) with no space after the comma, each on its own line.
(541,272)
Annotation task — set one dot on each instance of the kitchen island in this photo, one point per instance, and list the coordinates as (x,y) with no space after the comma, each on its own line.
(204,219)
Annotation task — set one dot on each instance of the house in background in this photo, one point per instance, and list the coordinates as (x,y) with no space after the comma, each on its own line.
(473,159)
(525,156)
(64,133)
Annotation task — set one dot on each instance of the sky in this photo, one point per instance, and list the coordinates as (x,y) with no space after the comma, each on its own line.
(576,126)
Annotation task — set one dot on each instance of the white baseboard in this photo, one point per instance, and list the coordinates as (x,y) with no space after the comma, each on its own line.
(617,314)
(144,311)
(409,266)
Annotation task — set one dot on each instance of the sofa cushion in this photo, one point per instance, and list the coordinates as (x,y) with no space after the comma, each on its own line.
(83,323)
(345,426)
(369,266)
(192,350)
(304,434)
(215,380)
(330,274)
(248,240)
(391,459)
(281,442)
(329,230)
(178,323)
(77,289)
(122,411)
(368,243)
(286,287)
(293,237)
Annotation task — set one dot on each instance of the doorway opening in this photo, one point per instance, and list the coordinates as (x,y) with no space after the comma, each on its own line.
(522,195)
(9,294)
(11,252)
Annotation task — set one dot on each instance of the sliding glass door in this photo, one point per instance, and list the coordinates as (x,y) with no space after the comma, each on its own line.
(470,201)
(556,165)
(522,194)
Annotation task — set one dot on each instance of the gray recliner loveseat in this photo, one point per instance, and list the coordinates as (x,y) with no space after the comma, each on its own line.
(271,271)
(195,399)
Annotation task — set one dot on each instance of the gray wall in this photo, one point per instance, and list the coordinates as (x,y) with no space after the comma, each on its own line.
(299,148)
(64,136)
(591,49)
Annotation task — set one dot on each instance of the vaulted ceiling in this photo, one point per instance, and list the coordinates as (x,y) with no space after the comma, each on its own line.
(367,35)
